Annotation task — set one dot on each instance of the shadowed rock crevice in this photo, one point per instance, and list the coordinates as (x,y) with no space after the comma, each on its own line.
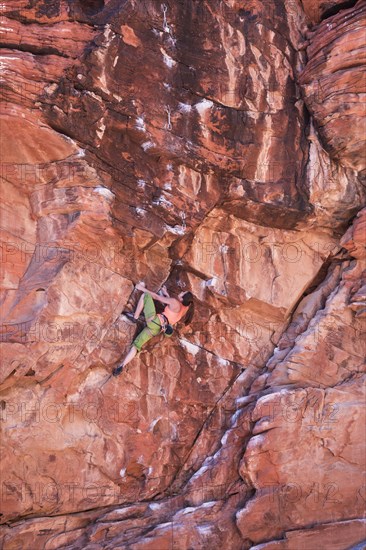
(32,49)
(334,10)
(91,7)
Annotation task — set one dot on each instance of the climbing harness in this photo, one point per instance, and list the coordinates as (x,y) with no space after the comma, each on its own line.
(166,327)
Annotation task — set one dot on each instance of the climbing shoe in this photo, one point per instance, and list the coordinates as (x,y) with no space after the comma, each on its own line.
(129,316)
(117,371)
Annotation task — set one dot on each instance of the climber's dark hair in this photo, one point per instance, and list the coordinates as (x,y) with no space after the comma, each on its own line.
(187,300)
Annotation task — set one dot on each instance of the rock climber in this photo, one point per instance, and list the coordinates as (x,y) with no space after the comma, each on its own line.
(157,323)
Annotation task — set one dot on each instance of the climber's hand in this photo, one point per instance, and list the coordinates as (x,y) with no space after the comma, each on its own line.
(140,286)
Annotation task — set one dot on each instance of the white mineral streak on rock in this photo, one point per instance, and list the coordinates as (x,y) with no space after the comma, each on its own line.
(140,123)
(162,201)
(147,145)
(169,61)
(100,129)
(101,54)
(107,193)
(193,349)
(184,107)
(203,105)
(203,108)
(140,211)
(264,168)
(176,229)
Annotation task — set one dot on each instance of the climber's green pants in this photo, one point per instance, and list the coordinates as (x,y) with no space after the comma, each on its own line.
(153,327)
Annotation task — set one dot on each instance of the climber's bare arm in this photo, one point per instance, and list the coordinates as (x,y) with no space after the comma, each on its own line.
(164,291)
(163,299)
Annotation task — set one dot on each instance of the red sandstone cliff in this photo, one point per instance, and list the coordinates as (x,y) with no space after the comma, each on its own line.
(213,146)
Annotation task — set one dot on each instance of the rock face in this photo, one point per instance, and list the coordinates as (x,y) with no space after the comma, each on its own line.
(187,144)
(334,88)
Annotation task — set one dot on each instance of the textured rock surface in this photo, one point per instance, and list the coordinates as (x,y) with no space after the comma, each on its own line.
(317,10)
(171,143)
(334,86)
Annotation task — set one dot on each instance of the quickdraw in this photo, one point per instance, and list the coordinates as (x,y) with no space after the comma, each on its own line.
(166,27)
(168,125)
